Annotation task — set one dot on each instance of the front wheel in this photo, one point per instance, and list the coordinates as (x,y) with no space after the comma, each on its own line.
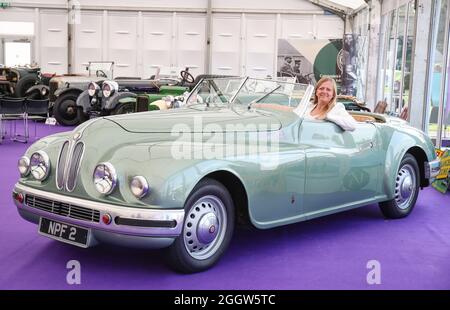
(66,111)
(406,190)
(207,230)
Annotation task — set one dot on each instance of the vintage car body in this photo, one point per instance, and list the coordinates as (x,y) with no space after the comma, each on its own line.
(157,183)
(41,88)
(64,90)
(15,82)
(131,95)
(125,99)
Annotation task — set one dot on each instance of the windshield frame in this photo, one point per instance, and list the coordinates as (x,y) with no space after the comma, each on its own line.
(229,99)
(110,70)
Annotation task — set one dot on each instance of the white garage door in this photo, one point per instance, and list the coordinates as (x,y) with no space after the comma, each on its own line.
(53,35)
(260,46)
(88,41)
(191,42)
(157,45)
(226,45)
(122,43)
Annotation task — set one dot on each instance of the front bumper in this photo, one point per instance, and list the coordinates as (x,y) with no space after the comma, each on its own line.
(126,222)
(432,168)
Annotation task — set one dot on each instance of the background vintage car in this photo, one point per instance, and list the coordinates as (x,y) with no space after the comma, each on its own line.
(121,179)
(64,90)
(15,82)
(132,95)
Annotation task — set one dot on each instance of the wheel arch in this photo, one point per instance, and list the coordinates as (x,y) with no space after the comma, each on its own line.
(236,188)
(400,143)
(68,90)
(421,157)
(113,101)
(38,87)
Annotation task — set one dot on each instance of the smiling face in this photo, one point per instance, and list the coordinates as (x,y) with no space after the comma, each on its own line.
(325,92)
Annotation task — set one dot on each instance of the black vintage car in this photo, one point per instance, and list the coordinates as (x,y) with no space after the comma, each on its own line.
(16,81)
(119,96)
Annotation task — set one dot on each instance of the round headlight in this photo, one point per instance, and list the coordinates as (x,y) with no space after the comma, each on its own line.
(40,165)
(93,89)
(108,88)
(105,178)
(44,91)
(139,186)
(24,166)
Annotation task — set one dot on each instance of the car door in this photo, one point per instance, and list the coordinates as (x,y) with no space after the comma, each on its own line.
(342,167)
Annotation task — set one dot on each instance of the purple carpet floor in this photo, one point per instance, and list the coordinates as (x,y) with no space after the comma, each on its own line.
(327,253)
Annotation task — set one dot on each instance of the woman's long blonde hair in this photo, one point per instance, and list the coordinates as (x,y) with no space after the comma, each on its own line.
(332,102)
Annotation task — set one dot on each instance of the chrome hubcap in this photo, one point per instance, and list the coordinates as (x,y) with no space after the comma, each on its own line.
(207,228)
(204,227)
(405,186)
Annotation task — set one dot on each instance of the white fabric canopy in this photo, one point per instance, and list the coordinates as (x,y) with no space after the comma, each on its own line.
(344,6)
(352,4)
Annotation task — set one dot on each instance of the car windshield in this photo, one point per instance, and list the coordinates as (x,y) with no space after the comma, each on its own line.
(250,92)
(101,69)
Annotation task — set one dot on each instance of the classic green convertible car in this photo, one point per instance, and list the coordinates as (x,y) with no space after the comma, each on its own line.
(239,149)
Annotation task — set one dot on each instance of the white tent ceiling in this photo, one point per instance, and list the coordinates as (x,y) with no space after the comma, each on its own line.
(341,6)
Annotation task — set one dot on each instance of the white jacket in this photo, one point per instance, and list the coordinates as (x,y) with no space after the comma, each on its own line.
(337,115)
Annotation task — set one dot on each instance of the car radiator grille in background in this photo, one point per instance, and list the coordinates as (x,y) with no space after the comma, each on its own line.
(63,209)
(68,165)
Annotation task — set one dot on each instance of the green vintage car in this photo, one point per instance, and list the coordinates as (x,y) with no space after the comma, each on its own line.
(238,150)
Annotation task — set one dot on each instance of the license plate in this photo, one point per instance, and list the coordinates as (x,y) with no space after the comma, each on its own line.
(64,232)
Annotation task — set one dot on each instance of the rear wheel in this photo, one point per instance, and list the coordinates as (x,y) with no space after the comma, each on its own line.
(406,190)
(66,111)
(207,229)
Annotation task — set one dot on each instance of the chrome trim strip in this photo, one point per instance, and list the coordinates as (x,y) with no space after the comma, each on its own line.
(64,164)
(68,161)
(78,168)
(125,212)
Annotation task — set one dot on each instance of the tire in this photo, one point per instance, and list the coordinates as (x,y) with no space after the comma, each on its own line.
(24,84)
(210,210)
(123,108)
(66,111)
(406,190)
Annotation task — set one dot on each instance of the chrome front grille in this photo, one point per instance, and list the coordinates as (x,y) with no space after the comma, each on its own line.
(74,165)
(61,165)
(63,209)
(68,165)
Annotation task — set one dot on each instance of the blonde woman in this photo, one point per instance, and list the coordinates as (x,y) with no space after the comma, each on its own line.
(325,106)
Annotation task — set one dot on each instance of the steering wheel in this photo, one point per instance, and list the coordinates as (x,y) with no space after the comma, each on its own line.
(100,73)
(186,76)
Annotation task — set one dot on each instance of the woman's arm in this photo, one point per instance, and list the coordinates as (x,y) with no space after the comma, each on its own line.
(341,117)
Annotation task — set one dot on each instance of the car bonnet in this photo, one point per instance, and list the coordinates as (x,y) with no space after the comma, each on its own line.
(190,120)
